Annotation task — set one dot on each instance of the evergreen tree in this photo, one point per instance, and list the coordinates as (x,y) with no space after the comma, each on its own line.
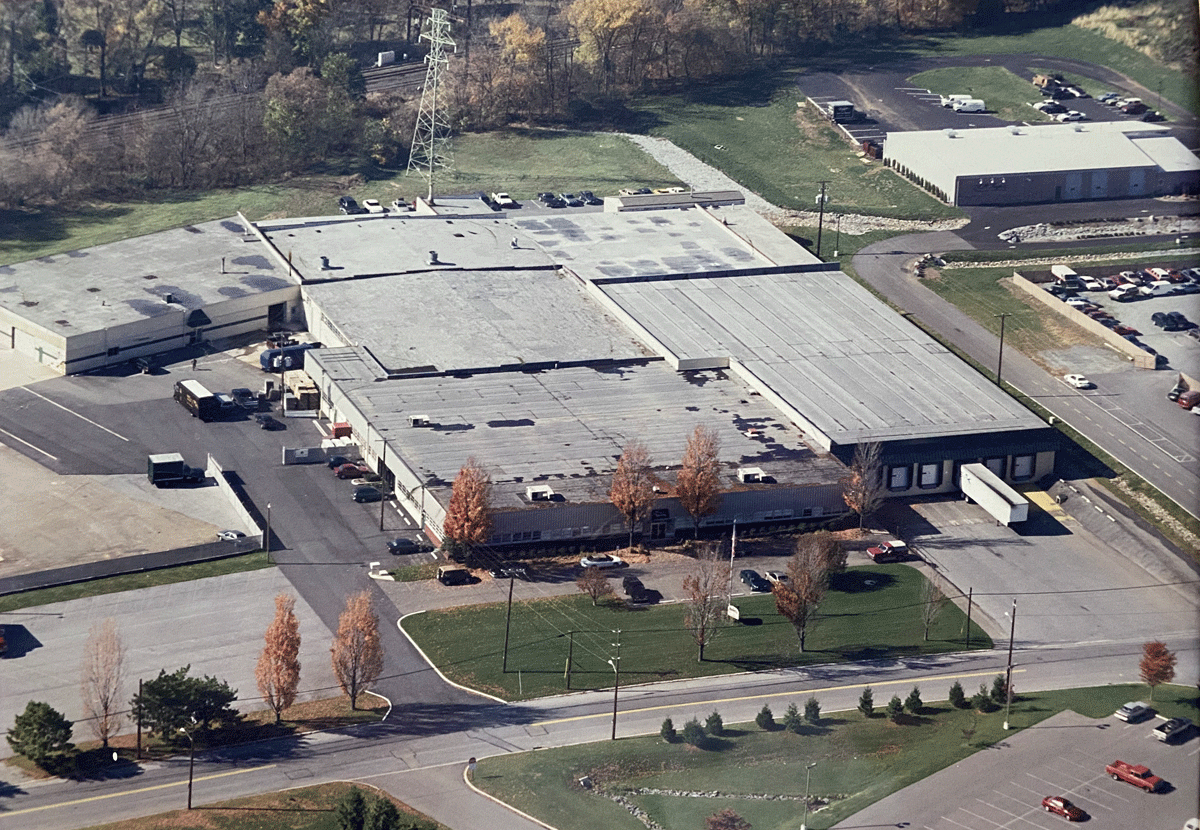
(812,711)
(958,698)
(866,703)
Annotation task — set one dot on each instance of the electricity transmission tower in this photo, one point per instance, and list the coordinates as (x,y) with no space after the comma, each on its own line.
(431,137)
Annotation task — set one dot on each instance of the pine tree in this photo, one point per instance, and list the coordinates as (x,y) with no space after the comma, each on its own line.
(812,711)
(866,703)
(958,698)
(912,703)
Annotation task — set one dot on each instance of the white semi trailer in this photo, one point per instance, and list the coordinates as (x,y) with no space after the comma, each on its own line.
(989,491)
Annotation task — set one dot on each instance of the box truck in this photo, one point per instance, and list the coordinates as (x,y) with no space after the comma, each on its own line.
(197,400)
(168,468)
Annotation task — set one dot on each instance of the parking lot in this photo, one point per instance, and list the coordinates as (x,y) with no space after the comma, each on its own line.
(1065,755)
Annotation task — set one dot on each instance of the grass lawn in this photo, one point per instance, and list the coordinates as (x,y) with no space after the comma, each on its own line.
(858,762)
(131,582)
(1005,94)
(869,613)
(780,150)
(304,808)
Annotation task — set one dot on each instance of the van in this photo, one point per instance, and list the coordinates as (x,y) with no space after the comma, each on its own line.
(970,105)
(949,101)
(453,575)
(1158,288)
(1189,399)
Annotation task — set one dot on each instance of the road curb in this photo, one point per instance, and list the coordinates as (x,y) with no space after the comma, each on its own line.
(432,665)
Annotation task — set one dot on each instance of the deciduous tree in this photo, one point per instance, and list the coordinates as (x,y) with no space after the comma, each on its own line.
(357,650)
(705,594)
(862,488)
(595,584)
(278,669)
(469,515)
(726,819)
(933,602)
(103,679)
(818,556)
(698,485)
(1157,665)
(632,489)
(40,733)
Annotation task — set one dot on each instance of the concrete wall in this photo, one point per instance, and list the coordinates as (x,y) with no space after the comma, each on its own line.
(1139,357)
(35,342)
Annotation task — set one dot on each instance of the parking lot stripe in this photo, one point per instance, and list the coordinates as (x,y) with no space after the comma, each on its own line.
(76,414)
(26,443)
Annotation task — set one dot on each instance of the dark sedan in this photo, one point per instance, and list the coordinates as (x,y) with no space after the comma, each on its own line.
(754,581)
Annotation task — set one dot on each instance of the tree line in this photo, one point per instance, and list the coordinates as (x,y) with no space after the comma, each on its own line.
(252,90)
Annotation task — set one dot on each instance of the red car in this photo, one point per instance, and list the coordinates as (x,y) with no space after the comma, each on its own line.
(1060,806)
(351,471)
(1124,329)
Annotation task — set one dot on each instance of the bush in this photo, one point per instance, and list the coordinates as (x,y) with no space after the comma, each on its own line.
(958,698)
(693,732)
(765,719)
(791,719)
(812,711)
(895,708)
(982,700)
(667,731)
(913,703)
(40,733)
(999,690)
(713,725)
(382,815)
(866,703)
(351,810)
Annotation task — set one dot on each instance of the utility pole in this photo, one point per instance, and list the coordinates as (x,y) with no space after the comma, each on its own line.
(1000,357)
(970,591)
(267,541)
(821,198)
(570,656)
(383,482)
(1008,674)
(616,664)
(508,622)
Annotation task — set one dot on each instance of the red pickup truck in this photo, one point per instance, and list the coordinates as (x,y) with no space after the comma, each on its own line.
(1135,774)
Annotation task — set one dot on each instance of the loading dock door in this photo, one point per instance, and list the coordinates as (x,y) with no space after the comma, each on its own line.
(1137,182)
(1099,184)
(1073,186)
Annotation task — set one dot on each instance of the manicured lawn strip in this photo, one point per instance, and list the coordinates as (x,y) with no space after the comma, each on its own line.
(131,582)
(1068,41)
(858,762)
(872,612)
(305,808)
(522,162)
(1006,95)
(780,150)
(415,573)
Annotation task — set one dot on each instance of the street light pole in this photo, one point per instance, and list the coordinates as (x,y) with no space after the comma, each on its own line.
(807,778)
(1008,674)
(191,763)
(820,214)
(267,541)
(1000,357)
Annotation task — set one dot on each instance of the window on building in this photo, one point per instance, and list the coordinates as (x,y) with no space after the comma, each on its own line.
(1022,467)
(930,475)
(996,465)
(899,478)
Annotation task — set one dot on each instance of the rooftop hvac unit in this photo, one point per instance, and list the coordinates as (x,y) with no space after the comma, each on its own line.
(950,132)
(750,475)
(539,492)
(418,420)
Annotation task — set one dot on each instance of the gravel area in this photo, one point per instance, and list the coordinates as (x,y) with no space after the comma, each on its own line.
(687,168)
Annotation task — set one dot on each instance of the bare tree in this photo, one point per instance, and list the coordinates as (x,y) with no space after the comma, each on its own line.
(698,485)
(704,592)
(357,651)
(632,490)
(278,669)
(469,514)
(1157,665)
(818,556)
(595,584)
(933,602)
(862,488)
(103,679)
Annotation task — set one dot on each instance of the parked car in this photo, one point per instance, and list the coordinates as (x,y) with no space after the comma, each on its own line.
(1077,381)
(632,586)
(775,577)
(1070,115)
(1077,92)
(590,198)
(601,560)
(454,575)
(402,544)
(1134,108)
(266,422)
(367,494)
(546,198)
(1059,805)
(1133,711)
(335,461)
(1139,775)
(1092,284)
(1153,116)
(571,199)
(230,535)
(1107,98)
(510,570)
(1049,107)
(351,470)
(1126,329)
(1169,729)
(503,200)
(1178,321)
(348,206)
(244,397)
(1124,294)
(888,552)
(373,206)
(751,579)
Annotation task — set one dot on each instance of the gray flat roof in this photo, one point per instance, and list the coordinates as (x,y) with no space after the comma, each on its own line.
(849,364)
(126,282)
(1044,147)
(566,427)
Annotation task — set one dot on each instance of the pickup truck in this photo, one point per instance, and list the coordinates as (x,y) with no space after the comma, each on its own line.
(888,552)
(1135,774)
(503,200)
(1169,729)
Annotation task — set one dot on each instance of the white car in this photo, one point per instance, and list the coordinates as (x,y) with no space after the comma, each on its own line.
(373,206)
(229,535)
(1077,381)
(1070,115)
(776,576)
(1133,711)
(601,560)
(1092,284)
(400,206)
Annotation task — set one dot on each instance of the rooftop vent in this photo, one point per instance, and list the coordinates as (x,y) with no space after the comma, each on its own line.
(324,263)
(750,475)
(433,260)
(168,298)
(1015,130)
(754,433)
(539,492)
(418,420)
(950,133)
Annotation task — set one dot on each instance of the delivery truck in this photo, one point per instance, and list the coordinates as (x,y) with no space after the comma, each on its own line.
(167,468)
(197,400)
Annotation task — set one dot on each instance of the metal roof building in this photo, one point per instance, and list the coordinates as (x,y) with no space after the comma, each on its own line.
(1024,164)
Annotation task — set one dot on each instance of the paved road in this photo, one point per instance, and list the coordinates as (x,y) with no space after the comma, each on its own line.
(421,766)
(1143,448)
